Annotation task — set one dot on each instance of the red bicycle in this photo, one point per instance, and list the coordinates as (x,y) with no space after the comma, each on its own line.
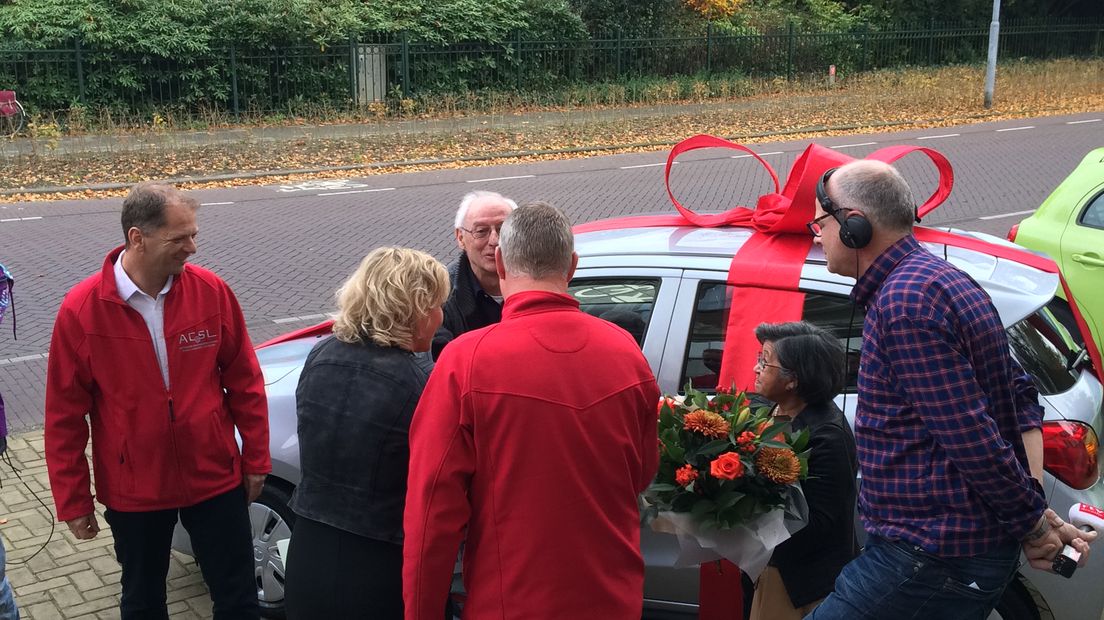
(12,114)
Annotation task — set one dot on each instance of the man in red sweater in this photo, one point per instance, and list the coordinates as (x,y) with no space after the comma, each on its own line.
(152,353)
(535,435)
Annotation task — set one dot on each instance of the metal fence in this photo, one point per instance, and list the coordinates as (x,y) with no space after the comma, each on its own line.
(384,70)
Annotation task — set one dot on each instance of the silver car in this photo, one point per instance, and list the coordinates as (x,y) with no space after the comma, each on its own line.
(668,287)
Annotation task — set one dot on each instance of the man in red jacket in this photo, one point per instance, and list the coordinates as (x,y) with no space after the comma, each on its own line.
(536,435)
(152,353)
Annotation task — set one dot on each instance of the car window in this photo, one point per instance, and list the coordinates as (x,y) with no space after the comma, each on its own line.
(625,302)
(705,346)
(1093,215)
(1042,344)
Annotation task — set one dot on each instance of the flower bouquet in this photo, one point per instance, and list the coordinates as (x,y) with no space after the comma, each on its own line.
(729,479)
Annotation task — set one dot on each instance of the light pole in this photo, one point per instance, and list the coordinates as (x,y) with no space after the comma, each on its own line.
(991,65)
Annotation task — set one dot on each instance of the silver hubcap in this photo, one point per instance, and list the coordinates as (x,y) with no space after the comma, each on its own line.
(268,529)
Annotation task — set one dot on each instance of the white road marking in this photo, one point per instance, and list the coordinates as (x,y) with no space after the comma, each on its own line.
(305,317)
(23,358)
(1091,120)
(521,176)
(847,146)
(21,219)
(214,204)
(357,191)
(760,155)
(1016,128)
(945,135)
(997,217)
(662,163)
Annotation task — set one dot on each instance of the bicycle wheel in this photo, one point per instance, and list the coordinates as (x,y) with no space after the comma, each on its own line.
(12,124)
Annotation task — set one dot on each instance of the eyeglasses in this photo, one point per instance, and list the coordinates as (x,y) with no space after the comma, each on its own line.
(482,232)
(760,362)
(814,226)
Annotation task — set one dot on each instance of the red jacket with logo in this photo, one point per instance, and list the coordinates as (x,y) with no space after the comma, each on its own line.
(152,448)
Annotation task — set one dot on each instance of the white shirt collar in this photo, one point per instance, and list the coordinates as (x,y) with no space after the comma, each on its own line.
(127,288)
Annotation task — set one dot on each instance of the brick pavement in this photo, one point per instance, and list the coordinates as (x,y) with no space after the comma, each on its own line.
(71,579)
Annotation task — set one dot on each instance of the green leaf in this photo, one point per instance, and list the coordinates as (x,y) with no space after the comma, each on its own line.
(729,499)
(801,440)
(713,448)
(702,508)
(660,487)
(774,429)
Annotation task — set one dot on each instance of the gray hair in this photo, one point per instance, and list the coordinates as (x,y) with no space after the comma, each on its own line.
(879,191)
(536,240)
(809,354)
(144,207)
(471,197)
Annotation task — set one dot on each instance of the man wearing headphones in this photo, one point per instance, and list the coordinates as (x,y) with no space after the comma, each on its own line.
(946,499)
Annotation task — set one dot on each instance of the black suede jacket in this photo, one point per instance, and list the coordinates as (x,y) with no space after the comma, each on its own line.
(355,403)
(468,307)
(811,560)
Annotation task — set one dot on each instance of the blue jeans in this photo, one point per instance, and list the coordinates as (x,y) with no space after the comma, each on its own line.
(8,610)
(893,579)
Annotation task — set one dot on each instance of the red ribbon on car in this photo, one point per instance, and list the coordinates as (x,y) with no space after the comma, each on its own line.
(767,268)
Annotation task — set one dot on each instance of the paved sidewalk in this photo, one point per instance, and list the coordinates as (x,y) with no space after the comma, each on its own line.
(71,579)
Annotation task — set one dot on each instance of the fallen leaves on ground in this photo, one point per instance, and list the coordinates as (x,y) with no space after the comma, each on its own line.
(902,99)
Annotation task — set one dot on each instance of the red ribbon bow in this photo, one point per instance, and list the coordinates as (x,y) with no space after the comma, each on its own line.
(768,266)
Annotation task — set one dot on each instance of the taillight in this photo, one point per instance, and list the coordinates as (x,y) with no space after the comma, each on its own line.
(1012,232)
(1069,453)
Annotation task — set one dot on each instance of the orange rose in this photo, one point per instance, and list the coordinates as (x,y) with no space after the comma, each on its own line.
(727,466)
(685,475)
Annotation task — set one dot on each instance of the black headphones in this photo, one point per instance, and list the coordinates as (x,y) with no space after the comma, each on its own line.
(855,231)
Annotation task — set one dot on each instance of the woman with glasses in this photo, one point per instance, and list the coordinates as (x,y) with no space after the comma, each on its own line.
(801,369)
(356,396)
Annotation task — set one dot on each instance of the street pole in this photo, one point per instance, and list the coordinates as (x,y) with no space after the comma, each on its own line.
(991,65)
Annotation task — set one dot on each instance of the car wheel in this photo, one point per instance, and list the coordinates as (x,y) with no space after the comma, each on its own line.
(1015,604)
(272,522)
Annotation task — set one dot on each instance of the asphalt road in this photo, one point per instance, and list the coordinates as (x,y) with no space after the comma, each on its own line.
(285,249)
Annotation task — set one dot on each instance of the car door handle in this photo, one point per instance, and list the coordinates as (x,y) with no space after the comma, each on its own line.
(1088,259)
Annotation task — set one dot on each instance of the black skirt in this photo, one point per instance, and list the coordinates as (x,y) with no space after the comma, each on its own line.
(332,573)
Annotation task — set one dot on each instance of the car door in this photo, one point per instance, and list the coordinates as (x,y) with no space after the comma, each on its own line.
(1082,259)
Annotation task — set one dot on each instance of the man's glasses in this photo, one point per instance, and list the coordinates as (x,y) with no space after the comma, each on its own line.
(814,226)
(482,232)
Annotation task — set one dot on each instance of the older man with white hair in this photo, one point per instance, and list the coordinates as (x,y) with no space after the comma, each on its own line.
(476,298)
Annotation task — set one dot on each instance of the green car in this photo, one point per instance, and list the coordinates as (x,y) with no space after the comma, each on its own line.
(1069,227)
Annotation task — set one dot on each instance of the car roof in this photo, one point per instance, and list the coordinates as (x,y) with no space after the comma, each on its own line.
(1017,289)
(1085,178)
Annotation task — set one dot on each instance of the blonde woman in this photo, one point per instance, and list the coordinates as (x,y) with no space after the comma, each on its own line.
(356,395)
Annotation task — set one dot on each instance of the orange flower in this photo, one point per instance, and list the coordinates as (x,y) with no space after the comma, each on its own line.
(763,426)
(746,442)
(727,466)
(707,423)
(685,475)
(670,402)
(778,465)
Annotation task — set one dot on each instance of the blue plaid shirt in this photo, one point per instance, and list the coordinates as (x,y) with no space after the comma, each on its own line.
(941,408)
